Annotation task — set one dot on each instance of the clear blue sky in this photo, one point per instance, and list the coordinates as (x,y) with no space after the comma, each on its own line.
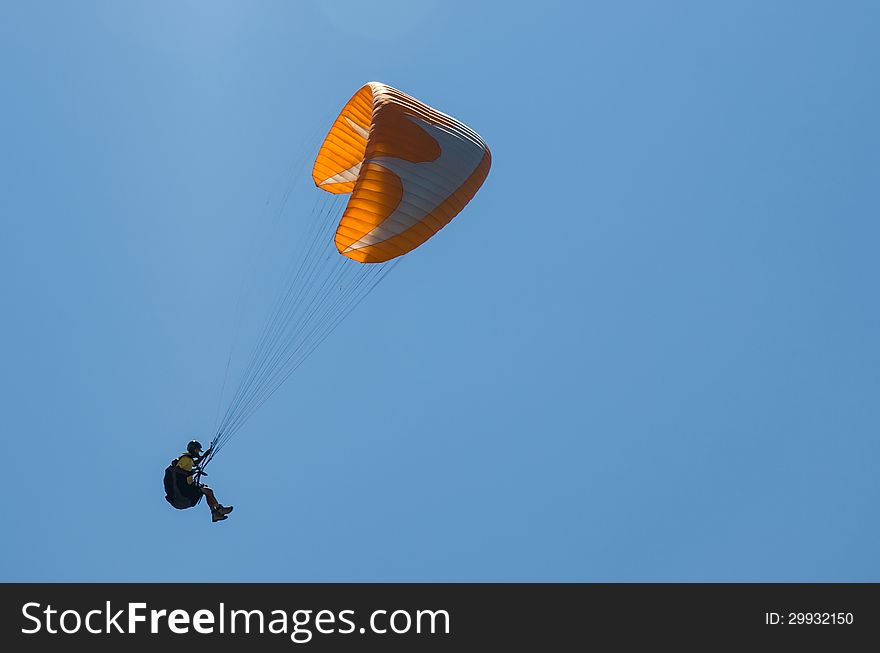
(646,351)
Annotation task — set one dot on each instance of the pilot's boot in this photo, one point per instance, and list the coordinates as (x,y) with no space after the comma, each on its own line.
(216,515)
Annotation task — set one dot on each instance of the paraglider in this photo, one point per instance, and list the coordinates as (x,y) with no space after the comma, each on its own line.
(183,486)
(408,170)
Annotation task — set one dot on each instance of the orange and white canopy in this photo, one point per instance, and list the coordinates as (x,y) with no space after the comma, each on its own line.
(409,168)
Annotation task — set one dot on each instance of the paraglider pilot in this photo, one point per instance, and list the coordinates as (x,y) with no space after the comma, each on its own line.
(183,490)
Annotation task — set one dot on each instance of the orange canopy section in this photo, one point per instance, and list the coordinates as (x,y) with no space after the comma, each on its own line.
(409,168)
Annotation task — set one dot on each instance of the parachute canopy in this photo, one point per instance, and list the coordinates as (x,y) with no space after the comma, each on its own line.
(409,168)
